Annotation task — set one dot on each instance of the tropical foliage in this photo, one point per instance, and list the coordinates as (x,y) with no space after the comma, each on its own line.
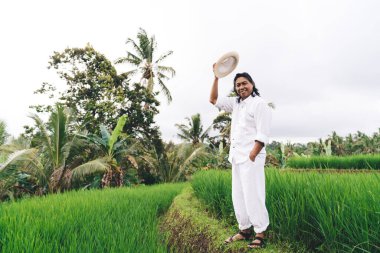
(193,131)
(3,132)
(369,162)
(335,145)
(222,125)
(150,68)
(97,94)
(112,151)
(169,162)
(46,166)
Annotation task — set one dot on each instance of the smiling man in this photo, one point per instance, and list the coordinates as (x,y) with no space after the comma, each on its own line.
(250,126)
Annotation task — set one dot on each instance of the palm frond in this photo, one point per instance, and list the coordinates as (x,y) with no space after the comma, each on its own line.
(25,160)
(150,160)
(133,161)
(45,135)
(163,56)
(144,44)
(198,152)
(162,76)
(130,73)
(184,132)
(165,69)
(165,90)
(58,125)
(152,47)
(205,135)
(90,168)
(136,47)
(196,125)
(8,148)
(131,59)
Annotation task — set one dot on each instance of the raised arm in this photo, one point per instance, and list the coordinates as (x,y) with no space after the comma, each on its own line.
(214,90)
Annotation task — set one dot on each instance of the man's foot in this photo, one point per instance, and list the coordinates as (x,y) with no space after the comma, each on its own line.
(245,234)
(258,242)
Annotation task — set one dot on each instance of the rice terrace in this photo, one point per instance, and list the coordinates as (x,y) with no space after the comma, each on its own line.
(92,171)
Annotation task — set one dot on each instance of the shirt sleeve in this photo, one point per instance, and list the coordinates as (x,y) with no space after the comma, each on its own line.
(226,104)
(263,118)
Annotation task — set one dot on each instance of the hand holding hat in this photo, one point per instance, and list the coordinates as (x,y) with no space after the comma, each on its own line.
(226,64)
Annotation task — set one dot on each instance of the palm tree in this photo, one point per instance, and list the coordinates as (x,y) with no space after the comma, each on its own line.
(56,143)
(45,163)
(112,151)
(171,163)
(22,163)
(337,144)
(193,131)
(152,72)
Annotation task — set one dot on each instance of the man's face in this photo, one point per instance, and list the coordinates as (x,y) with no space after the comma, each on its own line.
(243,87)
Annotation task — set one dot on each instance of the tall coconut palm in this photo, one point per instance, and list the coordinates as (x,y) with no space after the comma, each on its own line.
(145,63)
(193,131)
(112,151)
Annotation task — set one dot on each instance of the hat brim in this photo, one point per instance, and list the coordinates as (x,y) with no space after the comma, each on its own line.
(226,64)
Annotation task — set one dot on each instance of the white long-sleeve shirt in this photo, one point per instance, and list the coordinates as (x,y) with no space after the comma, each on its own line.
(251,120)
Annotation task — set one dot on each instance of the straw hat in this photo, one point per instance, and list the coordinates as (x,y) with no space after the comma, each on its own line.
(226,64)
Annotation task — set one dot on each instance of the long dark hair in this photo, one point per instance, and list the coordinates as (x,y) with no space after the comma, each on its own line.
(255,91)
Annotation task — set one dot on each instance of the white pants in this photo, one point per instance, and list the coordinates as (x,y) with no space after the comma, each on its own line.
(248,194)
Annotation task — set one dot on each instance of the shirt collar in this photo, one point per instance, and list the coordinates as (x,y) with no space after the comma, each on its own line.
(247,100)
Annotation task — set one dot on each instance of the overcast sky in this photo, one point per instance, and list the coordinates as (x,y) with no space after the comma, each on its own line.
(318,61)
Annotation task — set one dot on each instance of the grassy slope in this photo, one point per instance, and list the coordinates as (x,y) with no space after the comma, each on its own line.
(190,228)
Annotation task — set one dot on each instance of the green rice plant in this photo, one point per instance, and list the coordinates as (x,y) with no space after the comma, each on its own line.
(111,220)
(326,212)
(370,162)
(213,187)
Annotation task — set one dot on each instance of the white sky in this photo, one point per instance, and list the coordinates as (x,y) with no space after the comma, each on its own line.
(317,60)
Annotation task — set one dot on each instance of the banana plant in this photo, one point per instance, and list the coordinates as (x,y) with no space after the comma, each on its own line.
(112,150)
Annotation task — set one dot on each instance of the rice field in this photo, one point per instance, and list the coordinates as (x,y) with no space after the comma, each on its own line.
(325,212)
(369,162)
(112,220)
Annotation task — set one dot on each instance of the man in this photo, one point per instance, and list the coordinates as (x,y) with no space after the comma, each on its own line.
(250,125)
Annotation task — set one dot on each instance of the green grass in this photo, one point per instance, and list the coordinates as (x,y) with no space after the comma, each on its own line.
(326,212)
(189,227)
(370,162)
(112,220)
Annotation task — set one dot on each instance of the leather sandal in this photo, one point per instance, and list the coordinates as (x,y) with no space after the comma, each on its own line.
(257,245)
(246,234)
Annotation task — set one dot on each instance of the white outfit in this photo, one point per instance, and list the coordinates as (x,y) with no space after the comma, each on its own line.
(251,119)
